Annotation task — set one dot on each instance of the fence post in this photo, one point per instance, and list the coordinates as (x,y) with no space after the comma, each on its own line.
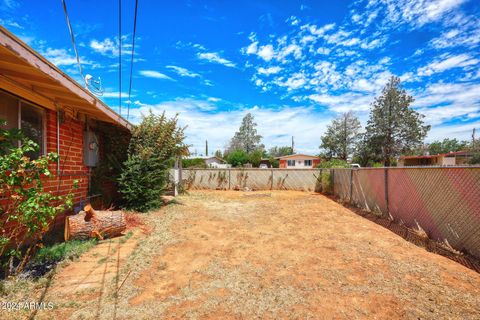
(321,181)
(332,174)
(271,182)
(351,184)
(386,189)
(229,173)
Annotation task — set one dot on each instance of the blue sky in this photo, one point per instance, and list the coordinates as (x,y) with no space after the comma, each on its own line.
(294,64)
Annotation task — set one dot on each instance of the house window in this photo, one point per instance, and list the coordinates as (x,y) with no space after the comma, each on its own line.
(291,163)
(307,163)
(25,116)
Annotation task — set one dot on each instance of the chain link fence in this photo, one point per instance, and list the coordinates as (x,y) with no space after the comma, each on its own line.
(442,202)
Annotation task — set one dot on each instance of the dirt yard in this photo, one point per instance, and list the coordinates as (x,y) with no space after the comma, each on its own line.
(244,255)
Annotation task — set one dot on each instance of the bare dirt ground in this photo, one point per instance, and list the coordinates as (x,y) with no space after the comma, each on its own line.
(244,255)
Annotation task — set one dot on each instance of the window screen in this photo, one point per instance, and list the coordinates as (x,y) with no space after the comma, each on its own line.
(9,110)
(307,163)
(32,126)
(291,163)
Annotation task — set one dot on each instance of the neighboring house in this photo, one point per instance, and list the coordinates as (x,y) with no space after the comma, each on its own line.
(214,162)
(298,161)
(446,159)
(57,113)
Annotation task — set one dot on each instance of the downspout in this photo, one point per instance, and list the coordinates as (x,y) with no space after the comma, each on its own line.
(58,142)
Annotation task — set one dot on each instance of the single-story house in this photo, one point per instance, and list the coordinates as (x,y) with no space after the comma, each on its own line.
(299,161)
(445,159)
(213,162)
(58,114)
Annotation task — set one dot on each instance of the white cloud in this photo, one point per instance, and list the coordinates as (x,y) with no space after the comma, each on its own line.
(302,122)
(290,49)
(183,72)
(351,42)
(266,52)
(115,94)
(269,71)
(252,48)
(61,57)
(104,47)
(109,47)
(296,81)
(154,74)
(214,57)
(323,50)
(315,30)
(414,13)
(344,102)
(447,62)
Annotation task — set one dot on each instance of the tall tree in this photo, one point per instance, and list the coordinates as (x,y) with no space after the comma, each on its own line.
(393,126)
(341,136)
(246,138)
(446,146)
(280,151)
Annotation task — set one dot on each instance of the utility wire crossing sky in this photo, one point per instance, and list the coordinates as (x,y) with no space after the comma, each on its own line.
(293,64)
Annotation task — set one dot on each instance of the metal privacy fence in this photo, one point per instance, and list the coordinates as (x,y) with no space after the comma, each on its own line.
(255,179)
(442,201)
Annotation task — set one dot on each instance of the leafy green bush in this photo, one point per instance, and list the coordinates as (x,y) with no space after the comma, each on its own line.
(237,158)
(26,211)
(193,163)
(334,163)
(154,143)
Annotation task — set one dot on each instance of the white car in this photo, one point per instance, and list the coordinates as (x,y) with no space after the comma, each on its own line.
(355,165)
(263,166)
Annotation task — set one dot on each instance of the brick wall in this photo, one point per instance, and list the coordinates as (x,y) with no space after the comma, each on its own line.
(71,161)
(71,157)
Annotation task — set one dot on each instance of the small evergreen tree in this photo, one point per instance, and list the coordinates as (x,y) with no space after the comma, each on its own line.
(393,127)
(341,136)
(155,141)
(246,138)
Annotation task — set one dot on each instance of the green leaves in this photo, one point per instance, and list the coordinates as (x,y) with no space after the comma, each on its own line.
(28,209)
(246,138)
(393,127)
(155,141)
(341,136)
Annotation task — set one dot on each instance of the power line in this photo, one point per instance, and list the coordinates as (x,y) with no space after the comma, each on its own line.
(133,52)
(72,36)
(120,57)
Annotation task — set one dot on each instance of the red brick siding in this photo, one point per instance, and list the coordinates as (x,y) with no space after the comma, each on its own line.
(316,162)
(283,164)
(71,157)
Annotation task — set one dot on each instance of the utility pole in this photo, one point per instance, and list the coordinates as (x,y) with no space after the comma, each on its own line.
(206,148)
(473,140)
(293,146)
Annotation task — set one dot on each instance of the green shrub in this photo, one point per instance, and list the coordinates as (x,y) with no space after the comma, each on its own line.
(26,209)
(237,158)
(154,143)
(334,163)
(193,163)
